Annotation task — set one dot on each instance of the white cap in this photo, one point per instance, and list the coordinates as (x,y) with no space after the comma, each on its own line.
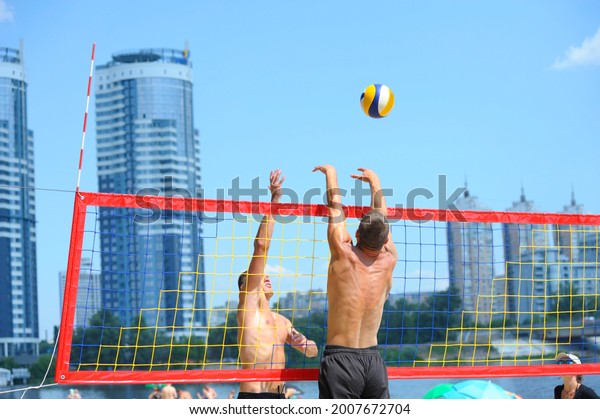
(572,357)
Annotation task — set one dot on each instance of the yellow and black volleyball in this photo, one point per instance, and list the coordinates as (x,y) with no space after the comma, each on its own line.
(377,100)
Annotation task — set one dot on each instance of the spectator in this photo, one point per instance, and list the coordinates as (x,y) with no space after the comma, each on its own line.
(168,392)
(572,387)
(184,394)
(155,393)
(74,394)
(207,393)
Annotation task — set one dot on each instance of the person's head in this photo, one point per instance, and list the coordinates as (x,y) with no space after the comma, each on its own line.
(373,230)
(565,358)
(242,280)
(266,285)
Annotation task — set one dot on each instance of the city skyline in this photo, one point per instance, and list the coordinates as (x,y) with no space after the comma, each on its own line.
(502,94)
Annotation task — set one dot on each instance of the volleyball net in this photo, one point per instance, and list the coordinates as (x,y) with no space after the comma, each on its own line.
(151,291)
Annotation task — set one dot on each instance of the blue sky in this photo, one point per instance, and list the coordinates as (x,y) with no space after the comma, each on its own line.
(503,93)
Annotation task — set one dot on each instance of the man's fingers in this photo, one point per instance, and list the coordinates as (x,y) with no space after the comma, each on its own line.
(274,178)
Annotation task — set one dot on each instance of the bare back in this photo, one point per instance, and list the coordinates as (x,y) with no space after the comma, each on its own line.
(357,287)
(358,281)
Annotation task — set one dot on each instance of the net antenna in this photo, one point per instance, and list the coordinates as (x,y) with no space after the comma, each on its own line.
(87,105)
(71,294)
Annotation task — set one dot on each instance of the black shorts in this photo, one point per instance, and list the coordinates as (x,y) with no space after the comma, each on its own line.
(246,395)
(352,373)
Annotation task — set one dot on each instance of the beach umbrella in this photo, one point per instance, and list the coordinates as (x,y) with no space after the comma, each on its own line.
(438,391)
(293,392)
(469,389)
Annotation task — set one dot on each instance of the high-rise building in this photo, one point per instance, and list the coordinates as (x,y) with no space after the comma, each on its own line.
(570,238)
(585,269)
(147,145)
(471,260)
(89,297)
(540,271)
(520,242)
(578,246)
(19,323)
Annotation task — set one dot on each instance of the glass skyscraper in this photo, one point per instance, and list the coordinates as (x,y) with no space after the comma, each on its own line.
(147,145)
(19,327)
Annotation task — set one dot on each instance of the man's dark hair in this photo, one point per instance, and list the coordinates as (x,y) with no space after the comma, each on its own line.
(242,279)
(373,230)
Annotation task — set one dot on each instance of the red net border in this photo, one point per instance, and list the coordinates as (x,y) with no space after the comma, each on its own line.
(84,199)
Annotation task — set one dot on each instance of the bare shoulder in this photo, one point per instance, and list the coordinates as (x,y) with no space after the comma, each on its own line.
(389,256)
(347,249)
(282,320)
(246,308)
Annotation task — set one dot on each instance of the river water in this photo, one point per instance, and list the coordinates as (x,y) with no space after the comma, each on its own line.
(526,387)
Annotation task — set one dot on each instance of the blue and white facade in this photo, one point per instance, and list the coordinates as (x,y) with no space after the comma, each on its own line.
(19,324)
(471,260)
(541,271)
(571,238)
(147,145)
(519,242)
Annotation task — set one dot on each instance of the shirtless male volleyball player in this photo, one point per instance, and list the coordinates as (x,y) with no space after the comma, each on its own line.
(358,283)
(262,333)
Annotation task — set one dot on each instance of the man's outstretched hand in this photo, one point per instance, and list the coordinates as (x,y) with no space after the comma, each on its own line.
(325,168)
(275,182)
(367,175)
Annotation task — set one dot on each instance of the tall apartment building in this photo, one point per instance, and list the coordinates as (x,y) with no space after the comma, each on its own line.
(89,297)
(471,260)
(19,323)
(570,238)
(580,252)
(147,145)
(520,243)
(584,272)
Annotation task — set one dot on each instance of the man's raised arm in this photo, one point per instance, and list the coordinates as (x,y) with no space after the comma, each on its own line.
(377,196)
(336,229)
(377,200)
(262,242)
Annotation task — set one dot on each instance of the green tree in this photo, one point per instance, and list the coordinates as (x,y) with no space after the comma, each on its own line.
(569,307)
(398,323)
(313,326)
(438,313)
(46,347)
(405,325)
(97,343)
(8,363)
(39,368)
(222,341)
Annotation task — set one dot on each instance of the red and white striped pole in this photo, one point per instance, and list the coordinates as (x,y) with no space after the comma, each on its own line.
(87,104)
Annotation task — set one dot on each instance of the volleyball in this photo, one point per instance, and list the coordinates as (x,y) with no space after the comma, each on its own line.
(377,100)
